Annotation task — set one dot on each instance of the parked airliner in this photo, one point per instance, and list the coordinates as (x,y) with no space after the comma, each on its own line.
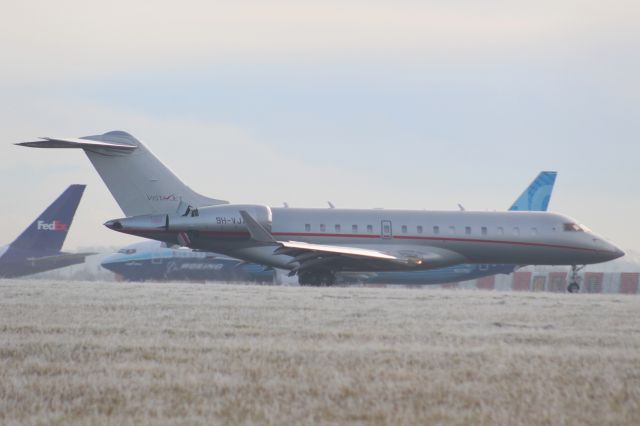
(152,260)
(37,249)
(315,244)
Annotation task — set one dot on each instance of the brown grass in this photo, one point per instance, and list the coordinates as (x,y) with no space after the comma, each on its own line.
(105,353)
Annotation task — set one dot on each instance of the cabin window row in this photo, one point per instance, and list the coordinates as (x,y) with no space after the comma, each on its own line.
(436,230)
(338,228)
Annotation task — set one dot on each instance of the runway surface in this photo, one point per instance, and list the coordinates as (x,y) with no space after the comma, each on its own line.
(115,353)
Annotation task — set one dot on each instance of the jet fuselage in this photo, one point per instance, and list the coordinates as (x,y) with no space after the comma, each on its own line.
(438,238)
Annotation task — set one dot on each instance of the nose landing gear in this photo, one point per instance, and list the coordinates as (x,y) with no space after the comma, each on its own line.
(574,279)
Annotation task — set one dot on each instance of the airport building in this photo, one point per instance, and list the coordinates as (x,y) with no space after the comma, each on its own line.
(538,279)
(621,276)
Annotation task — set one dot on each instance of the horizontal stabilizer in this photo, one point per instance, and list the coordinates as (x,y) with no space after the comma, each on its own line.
(76,143)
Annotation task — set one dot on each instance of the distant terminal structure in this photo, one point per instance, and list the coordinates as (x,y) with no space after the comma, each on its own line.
(530,279)
(621,276)
(617,277)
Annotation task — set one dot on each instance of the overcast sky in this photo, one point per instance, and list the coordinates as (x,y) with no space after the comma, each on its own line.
(396,104)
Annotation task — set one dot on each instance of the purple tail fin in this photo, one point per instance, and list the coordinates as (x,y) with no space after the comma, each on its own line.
(49,230)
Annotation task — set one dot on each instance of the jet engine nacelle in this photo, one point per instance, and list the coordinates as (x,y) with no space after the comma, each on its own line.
(222,218)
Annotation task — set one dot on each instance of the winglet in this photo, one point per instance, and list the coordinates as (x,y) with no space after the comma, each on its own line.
(257,231)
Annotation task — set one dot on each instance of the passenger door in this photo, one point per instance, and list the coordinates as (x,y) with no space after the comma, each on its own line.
(386,230)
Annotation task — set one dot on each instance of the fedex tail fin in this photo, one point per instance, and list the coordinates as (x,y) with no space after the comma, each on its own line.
(49,230)
(537,195)
(140,183)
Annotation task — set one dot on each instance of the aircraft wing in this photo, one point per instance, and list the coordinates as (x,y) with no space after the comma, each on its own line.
(306,255)
(342,250)
(58,260)
(349,258)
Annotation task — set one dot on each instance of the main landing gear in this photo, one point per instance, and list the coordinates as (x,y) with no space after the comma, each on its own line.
(317,278)
(574,279)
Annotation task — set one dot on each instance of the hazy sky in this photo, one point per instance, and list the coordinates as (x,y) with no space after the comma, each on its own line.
(397,104)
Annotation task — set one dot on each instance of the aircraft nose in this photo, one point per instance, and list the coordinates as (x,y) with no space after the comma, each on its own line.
(108,263)
(613,252)
(618,252)
(607,250)
(108,266)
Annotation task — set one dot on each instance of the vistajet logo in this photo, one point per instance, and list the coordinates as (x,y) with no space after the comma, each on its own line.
(161,197)
(56,225)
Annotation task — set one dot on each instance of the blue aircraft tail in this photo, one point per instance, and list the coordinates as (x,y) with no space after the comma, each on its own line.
(49,230)
(537,195)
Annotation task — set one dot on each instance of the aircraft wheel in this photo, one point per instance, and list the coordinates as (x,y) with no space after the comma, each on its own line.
(306,279)
(573,288)
(317,279)
(328,279)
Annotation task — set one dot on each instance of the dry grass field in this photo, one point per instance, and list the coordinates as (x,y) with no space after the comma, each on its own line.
(113,353)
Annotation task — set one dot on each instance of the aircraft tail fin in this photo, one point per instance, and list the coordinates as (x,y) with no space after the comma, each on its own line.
(49,230)
(139,182)
(537,195)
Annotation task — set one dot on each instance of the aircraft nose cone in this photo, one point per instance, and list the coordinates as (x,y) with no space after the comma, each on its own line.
(618,252)
(606,250)
(109,261)
(108,265)
(613,252)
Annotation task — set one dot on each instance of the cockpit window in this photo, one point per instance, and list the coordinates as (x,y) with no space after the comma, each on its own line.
(127,251)
(573,227)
